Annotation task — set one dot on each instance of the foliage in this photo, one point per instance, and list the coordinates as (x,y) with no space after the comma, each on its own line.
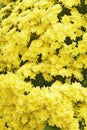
(51,128)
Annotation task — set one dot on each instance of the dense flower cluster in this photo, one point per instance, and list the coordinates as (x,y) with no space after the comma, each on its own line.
(24,107)
(43,64)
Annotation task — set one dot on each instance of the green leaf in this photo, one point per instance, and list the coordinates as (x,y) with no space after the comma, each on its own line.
(2,5)
(84,83)
(47,127)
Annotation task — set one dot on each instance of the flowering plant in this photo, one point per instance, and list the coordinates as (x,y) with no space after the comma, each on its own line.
(43,65)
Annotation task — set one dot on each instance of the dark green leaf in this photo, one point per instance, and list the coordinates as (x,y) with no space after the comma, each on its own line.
(51,128)
(2,5)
